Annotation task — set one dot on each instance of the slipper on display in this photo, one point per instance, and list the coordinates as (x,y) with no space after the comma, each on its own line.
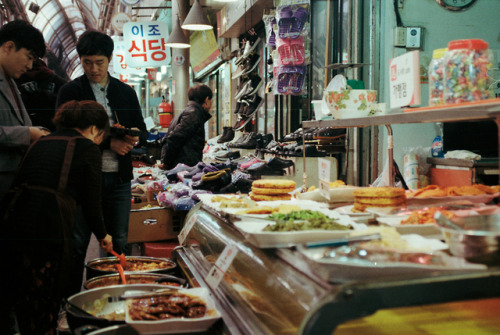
(299,19)
(297,51)
(283,81)
(285,21)
(284,51)
(297,79)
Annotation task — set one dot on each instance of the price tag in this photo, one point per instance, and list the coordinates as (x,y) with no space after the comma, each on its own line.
(220,267)
(324,177)
(187,227)
(405,80)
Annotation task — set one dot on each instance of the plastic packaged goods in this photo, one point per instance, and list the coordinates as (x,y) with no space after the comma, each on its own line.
(466,67)
(436,78)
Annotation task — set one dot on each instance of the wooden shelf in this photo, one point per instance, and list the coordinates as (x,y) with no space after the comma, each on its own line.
(470,111)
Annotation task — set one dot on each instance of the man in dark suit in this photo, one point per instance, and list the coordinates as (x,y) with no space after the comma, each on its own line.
(20,45)
(95,50)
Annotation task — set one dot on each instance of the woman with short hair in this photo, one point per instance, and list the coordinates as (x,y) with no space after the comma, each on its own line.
(58,172)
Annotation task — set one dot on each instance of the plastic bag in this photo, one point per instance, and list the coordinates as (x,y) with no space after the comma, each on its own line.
(384,180)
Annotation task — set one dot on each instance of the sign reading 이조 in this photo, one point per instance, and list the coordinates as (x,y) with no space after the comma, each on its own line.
(145,43)
(405,80)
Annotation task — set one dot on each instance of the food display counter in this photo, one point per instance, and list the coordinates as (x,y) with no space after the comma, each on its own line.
(277,291)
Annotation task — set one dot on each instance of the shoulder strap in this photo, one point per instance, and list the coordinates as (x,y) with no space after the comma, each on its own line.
(68,157)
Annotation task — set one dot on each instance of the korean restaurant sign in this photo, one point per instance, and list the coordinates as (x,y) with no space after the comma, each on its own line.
(120,66)
(405,80)
(145,43)
(118,21)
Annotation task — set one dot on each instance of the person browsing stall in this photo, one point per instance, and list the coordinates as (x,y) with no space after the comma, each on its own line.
(20,45)
(185,138)
(95,50)
(58,172)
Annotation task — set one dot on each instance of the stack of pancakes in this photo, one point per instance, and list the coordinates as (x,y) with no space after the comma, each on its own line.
(272,189)
(378,197)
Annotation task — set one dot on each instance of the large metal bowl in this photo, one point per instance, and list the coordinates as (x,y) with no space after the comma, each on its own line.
(87,300)
(167,266)
(476,238)
(134,278)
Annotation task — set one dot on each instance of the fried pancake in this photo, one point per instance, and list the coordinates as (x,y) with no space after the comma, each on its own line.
(262,197)
(274,183)
(271,191)
(380,201)
(376,192)
(257,210)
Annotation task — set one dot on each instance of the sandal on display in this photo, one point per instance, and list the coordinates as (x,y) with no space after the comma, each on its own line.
(299,19)
(285,21)
(297,79)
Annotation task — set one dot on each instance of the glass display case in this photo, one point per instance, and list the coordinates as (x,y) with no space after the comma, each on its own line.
(277,291)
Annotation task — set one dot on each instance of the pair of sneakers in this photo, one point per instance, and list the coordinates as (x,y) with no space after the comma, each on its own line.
(249,86)
(248,65)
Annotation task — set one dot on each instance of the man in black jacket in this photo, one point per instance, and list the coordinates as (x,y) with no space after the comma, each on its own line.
(185,138)
(120,101)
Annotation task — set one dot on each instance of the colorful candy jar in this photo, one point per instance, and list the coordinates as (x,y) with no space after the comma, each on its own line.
(436,77)
(466,67)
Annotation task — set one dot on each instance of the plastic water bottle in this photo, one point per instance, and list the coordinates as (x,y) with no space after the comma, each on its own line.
(437,147)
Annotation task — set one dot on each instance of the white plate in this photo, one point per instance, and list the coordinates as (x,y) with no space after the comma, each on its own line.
(425,229)
(347,210)
(252,229)
(180,325)
(336,271)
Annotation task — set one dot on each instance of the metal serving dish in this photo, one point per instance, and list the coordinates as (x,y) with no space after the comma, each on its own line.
(164,265)
(476,238)
(96,302)
(134,278)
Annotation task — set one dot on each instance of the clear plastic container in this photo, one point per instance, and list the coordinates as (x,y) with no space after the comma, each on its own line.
(436,77)
(466,67)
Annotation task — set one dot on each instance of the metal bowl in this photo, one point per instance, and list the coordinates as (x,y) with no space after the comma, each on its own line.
(134,278)
(476,238)
(166,266)
(88,300)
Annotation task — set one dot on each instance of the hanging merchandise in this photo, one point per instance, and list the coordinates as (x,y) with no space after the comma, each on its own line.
(466,68)
(269,24)
(291,56)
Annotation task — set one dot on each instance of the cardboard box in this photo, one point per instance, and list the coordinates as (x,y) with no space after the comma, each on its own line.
(153,224)
(151,195)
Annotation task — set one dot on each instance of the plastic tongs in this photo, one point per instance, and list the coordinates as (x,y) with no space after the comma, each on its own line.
(120,266)
(142,294)
(121,257)
(338,242)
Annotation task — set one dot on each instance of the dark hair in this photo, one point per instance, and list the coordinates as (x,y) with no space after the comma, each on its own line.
(93,42)
(199,93)
(24,35)
(81,115)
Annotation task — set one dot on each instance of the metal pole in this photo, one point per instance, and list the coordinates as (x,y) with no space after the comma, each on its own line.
(180,61)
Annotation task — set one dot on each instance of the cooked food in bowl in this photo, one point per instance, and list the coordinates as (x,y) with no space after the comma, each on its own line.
(143,278)
(167,306)
(134,264)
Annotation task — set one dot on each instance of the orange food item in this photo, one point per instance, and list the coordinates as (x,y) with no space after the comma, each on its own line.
(451,191)
(426,216)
